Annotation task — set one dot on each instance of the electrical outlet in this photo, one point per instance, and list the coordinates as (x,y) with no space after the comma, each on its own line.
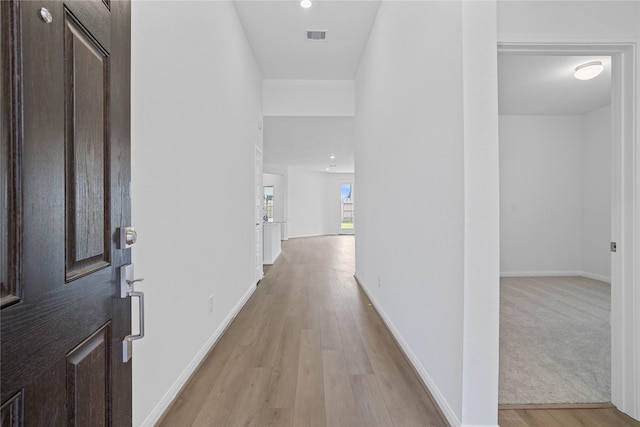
(210,303)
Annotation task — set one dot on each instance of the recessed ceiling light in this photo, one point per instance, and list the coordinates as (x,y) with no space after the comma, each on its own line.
(332,156)
(589,70)
(326,169)
(305,4)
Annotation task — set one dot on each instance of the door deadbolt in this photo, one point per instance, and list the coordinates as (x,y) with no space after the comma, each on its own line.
(128,237)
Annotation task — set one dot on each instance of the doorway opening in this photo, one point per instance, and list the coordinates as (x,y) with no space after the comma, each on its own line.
(555,186)
(347,208)
(623,210)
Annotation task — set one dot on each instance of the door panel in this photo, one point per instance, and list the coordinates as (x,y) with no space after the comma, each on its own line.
(49,391)
(88,381)
(87,143)
(11,411)
(61,336)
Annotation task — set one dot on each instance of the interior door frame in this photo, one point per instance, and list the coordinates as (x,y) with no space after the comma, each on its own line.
(258,197)
(625,202)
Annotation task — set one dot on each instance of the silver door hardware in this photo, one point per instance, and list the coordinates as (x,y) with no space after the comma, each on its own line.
(46,15)
(127,237)
(614,247)
(126,280)
(126,290)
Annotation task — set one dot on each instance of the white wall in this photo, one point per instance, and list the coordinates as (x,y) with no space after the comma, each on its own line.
(540,195)
(308,97)
(426,128)
(555,195)
(196,100)
(596,194)
(482,206)
(589,18)
(314,202)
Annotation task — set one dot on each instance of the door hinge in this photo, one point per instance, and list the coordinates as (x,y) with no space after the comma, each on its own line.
(614,247)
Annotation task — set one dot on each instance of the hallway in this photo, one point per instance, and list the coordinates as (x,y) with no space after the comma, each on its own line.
(308,349)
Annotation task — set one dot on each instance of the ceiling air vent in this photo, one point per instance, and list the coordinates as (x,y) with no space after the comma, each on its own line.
(316,35)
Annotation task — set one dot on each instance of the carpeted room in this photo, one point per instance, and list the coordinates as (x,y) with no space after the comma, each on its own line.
(555,191)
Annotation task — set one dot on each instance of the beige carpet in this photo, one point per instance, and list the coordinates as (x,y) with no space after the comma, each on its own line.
(555,343)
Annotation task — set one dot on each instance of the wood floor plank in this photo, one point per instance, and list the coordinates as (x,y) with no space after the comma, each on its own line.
(340,405)
(284,376)
(329,331)
(371,407)
(247,407)
(602,417)
(392,368)
(224,391)
(309,409)
(510,418)
(567,417)
(404,401)
(622,420)
(274,417)
(539,417)
(187,404)
(311,314)
(352,345)
(269,336)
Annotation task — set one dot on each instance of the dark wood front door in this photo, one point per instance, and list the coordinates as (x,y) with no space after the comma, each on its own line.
(65,192)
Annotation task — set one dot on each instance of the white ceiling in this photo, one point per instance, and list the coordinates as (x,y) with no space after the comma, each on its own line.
(276,31)
(308,142)
(544,85)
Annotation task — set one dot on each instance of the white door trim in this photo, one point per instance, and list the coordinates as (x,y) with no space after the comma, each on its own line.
(258,212)
(625,218)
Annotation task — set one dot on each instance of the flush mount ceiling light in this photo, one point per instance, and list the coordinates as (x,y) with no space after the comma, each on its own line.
(589,70)
(305,4)
(332,156)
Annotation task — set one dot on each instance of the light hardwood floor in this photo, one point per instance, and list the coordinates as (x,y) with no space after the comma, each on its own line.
(578,417)
(308,349)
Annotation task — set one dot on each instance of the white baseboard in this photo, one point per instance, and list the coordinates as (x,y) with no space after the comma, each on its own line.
(302,236)
(596,277)
(173,391)
(554,274)
(422,372)
(539,273)
(271,261)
